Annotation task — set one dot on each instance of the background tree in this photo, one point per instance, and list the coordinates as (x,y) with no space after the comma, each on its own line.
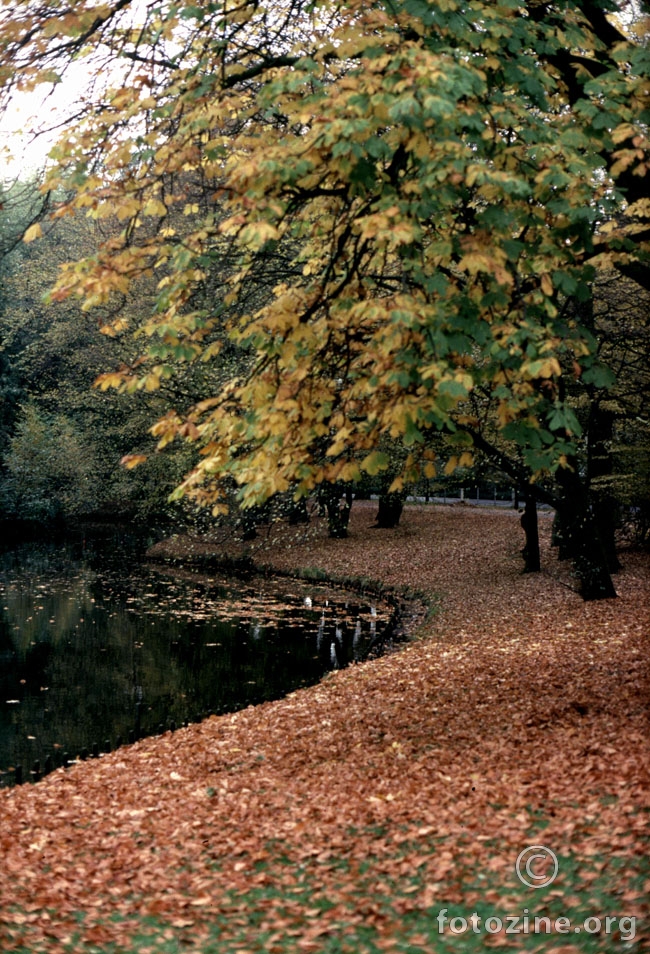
(440,180)
(55,427)
(51,469)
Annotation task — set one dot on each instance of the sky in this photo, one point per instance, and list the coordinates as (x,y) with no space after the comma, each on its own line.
(20,154)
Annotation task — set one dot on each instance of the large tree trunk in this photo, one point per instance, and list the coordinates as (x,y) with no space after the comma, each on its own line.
(580,534)
(298,512)
(579,531)
(530,552)
(249,518)
(600,468)
(338,504)
(390,510)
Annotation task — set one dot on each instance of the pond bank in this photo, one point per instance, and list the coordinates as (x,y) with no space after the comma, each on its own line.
(99,648)
(284,551)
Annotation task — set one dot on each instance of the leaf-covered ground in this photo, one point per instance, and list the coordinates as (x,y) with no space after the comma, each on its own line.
(348,816)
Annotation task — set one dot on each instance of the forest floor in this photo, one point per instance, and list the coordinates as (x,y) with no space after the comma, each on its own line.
(368,812)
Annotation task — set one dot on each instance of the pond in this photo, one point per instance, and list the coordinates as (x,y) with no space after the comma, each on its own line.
(98,647)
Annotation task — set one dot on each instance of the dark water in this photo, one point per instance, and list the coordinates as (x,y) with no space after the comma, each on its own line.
(98,648)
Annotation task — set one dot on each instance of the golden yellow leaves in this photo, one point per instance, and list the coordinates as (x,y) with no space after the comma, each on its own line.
(131,206)
(151,380)
(115,328)
(546,284)
(388,227)
(167,429)
(112,379)
(506,413)
(154,207)
(256,234)
(481,255)
(133,460)
(627,131)
(340,442)
(397,166)
(639,209)
(628,157)
(34,232)
(466,459)
(491,264)
(545,368)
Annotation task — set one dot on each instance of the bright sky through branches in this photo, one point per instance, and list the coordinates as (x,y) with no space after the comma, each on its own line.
(32,122)
(30,127)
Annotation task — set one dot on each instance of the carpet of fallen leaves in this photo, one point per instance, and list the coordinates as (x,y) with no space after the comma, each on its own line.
(346,816)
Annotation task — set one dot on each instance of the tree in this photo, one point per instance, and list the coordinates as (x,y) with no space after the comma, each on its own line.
(51,469)
(438,179)
(52,423)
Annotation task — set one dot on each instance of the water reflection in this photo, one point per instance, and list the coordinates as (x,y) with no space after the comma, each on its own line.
(96,650)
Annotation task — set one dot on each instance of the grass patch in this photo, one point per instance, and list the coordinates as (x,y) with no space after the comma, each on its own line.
(386,900)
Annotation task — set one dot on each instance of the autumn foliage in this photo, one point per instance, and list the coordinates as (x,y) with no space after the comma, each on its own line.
(347,815)
(396,209)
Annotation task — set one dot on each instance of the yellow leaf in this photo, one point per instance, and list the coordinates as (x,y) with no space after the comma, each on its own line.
(132,460)
(623,132)
(257,233)
(110,380)
(152,381)
(128,209)
(155,207)
(550,368)
(33,232)
(111,331)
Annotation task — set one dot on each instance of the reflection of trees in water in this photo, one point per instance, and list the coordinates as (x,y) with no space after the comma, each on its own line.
(91,656)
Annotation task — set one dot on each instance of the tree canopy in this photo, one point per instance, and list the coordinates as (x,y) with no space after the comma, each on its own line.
(385,206)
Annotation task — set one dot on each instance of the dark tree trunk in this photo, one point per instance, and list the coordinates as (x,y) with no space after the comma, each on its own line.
(530,552)
(298,512)
(600,468)
(249,517)
(561,535)
(338,504)
(577,528)
(580,534)
(390,510)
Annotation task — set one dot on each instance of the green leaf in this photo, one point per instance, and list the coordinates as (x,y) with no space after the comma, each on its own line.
(563,418)
(599,375)
(453,389)
(565,282)
(412,433)
(375,462)
(192,12)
